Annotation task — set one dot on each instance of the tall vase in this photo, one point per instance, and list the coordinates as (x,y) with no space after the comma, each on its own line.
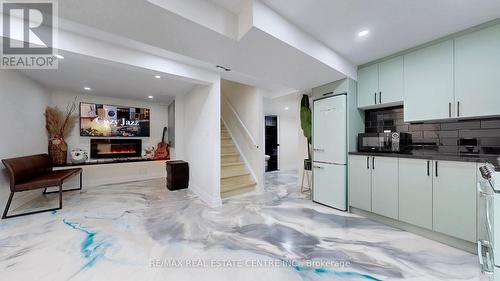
(57,151)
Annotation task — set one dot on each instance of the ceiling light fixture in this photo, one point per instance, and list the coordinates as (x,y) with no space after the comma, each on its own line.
(87,88)
(223,68)
(363,33)
(150,97)
(286,108)
(59,57)
(157,76)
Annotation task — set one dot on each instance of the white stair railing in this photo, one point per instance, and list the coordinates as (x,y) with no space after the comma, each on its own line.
(241,124)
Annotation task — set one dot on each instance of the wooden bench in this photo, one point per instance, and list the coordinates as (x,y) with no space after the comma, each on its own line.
(35,172)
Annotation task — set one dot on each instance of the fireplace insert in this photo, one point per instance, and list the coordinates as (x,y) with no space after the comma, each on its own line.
(115,148)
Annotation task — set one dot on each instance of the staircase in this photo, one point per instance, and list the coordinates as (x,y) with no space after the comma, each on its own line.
(235,176)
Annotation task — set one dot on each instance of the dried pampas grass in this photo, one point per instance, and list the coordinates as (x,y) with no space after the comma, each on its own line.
(60,123)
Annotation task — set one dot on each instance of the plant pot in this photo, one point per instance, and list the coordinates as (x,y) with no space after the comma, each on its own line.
(57,154)
(307,164)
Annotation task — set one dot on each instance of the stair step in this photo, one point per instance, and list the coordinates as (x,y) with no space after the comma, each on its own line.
(225,138)
(231,164)
(234,171)
(230,159)
(236,180)
(226,150)
(230,154)
(229,188)
(238,191)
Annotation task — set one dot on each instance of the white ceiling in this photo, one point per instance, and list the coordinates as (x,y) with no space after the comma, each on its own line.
(263,59)
(394,25)
(235,6)
(108,79)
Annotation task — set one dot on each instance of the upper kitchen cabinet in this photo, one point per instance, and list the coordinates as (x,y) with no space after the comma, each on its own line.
(390,79)
(477,73)
(368,86)
(381,84)
(428,83)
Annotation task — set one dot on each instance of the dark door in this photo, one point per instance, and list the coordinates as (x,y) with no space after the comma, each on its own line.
(272,145)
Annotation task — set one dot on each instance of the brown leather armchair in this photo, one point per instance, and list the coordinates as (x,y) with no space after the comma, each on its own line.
(35,172)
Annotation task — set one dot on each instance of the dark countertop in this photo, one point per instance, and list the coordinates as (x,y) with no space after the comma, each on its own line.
(437,156)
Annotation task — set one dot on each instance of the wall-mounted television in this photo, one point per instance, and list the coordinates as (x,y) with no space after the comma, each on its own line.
(102,120)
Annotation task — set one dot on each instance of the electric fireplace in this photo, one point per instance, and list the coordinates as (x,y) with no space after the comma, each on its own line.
(115,148)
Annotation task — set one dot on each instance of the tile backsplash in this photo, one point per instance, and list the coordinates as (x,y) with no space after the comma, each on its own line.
(479,136)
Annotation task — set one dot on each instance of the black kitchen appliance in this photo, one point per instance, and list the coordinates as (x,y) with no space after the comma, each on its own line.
(384,142)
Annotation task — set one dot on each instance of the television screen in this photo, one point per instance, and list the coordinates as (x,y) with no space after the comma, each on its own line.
(101,120)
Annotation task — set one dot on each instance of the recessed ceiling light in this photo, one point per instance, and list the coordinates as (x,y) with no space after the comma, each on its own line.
(87,88)
(363,33)
(150,97)
(157,76)
(286,108)
(59,57)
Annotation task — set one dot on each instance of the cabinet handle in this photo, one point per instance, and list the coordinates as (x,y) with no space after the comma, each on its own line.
(373,163)
(436,169)
(368,162)
(449,109)
(428,168)
(375,97)
(458,109)
(380,97)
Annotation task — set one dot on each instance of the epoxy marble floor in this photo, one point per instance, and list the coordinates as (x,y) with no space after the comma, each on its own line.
(141,231)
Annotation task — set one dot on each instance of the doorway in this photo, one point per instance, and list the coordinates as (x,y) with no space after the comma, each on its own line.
(272,142)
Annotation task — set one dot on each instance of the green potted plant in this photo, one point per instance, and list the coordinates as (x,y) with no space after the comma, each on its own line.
(306,124)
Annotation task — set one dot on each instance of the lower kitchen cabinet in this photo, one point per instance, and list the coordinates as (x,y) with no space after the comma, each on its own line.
(415,192)
(360,190)
(436,195)
(385,186)
(454,199)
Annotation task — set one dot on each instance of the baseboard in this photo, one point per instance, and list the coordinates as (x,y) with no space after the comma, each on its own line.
(429,234)
(94,183)
(211,201)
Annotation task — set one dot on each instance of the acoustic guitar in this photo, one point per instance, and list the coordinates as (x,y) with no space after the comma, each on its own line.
(162,152)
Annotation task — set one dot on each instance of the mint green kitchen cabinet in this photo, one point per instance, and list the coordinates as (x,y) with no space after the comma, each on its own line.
(477,73)
(415,192)
(381,84)
(454,199)
(360,193)
(368,86)
(390,80)
(385,186)
(428,83)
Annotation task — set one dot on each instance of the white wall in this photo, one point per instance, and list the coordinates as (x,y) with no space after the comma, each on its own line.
(293,144)
(247,102)
(23,103)
(159,116)
(197,133)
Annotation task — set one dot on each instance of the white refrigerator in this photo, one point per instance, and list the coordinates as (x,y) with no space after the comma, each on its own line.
(330,151)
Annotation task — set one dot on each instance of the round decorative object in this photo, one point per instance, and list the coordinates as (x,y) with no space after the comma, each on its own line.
(78,156)
(149,152)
